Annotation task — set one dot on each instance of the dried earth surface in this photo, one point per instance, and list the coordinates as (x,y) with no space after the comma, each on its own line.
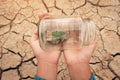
(18,19)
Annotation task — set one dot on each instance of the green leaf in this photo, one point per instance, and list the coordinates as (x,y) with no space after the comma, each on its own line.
(58,35)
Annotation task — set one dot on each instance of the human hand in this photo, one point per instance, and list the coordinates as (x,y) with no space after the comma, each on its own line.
(51,57)
(78,62)
(82,55)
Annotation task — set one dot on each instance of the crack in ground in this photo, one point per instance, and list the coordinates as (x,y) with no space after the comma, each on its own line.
(55,5)
(112,69)
(45,5)
(117,54)
(28,77)
(24,38)
(0,73)
(11,22)
(98,5)
(17,67)
(97,74)
(114,78)
(79,7)
(102,39)
(10,50)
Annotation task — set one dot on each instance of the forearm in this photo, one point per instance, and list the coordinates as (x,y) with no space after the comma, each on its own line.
(80,71)
(47,70)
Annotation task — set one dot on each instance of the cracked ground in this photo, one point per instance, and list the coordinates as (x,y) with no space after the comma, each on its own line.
(18,19)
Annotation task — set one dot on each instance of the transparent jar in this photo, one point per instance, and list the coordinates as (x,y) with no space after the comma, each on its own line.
(65,33)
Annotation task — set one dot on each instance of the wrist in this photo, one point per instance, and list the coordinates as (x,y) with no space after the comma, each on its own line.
(46,70)
(80,71)
(47,61)
(46,64)
(76,61)
(81,65)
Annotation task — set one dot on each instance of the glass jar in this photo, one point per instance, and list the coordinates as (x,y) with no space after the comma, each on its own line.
(65,33)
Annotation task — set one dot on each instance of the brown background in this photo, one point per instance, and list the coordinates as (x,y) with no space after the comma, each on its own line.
(18,19)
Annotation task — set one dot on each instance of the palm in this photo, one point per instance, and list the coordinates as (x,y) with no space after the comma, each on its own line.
(49,56)
(82,55)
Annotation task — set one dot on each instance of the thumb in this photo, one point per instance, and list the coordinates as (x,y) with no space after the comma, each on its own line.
(34,36)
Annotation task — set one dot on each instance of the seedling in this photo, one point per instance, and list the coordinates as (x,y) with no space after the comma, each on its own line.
(58,35)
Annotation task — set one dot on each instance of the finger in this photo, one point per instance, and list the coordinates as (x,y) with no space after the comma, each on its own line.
(34,36)
(36,32)
(43,15)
